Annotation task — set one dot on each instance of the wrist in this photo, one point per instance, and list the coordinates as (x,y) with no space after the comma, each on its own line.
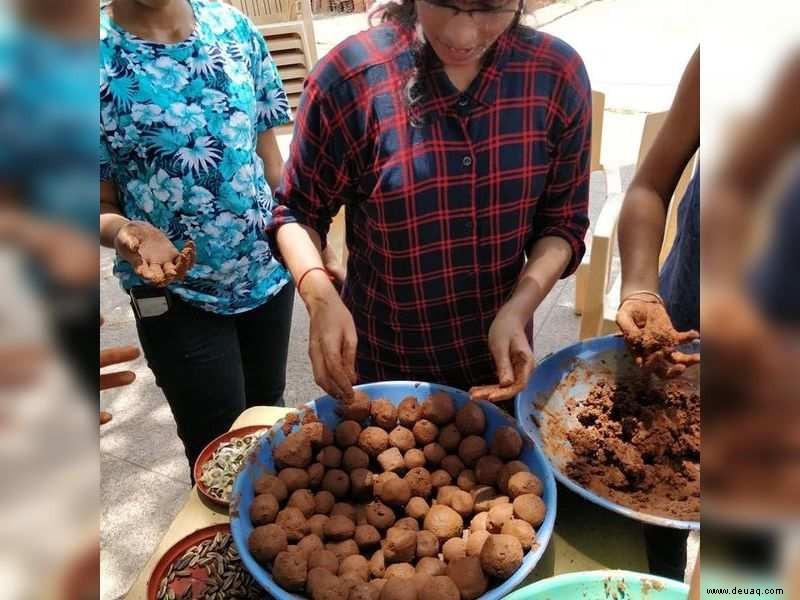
(315,288)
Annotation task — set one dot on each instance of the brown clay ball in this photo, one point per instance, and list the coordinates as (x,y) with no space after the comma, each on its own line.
(400,545)
(344,509)
(501,556)
(475,542)
(427,544)
(483,495)
(293,522)
(440,478)
(360,514)
(509,470)
(380,516)
(377,564)
(367,536)
(414,458)
(343,549)
(323,502)
(294,451)
(454,549)
(507,443)
(419,482)
(462,503)
(377,585)
(470,420)
(354,458)
(408,412)
(440,588)
(373,441)
(303,500)
(339,528)
(487,469)
(498,516)
(364,591)
(449,437)
(453,465)
(355,564)
(444,522)
(266,542)
(471,449)
(439,408)
(391,460)
(425,432)
(309,544)
(316,525)
(401,570)
(330,457)
(445,494)
(407,523)
(384,414)
(479,522)
(530,508)
(321,584)
(395,492)
(290,570)
(417,508)
(316,472)
(434,454)
(431,566)
(324,559)
(524,483)
(318,434)
(294,479)
(270,484)
(402,438)
(419,581)
(264,509)
(398,589)
(469,577)
(522,530)
(355,408)
(347,433)
(337,482)
(466,480)
(361,482)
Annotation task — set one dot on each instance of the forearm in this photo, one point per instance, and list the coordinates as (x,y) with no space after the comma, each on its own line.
(300,247)
(548,258)
(641,233)
(111,217)
(270,154)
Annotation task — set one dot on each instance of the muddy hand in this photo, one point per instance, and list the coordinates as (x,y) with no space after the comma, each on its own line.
(152,255)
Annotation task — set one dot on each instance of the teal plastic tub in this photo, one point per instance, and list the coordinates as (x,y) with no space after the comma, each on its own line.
(603,585)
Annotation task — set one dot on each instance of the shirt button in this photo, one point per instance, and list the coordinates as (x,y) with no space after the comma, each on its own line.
(467,161)
(463,101)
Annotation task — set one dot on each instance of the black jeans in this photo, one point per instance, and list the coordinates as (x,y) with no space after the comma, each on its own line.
(212,367)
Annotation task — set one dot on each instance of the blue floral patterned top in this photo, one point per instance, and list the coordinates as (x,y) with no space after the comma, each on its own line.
(179,127)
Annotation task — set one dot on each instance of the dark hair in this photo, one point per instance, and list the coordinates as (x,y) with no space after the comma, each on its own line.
(404,14)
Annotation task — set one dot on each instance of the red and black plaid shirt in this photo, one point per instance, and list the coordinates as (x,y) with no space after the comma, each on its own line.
(439,213)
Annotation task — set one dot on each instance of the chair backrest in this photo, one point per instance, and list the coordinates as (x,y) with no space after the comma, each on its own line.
(265,12)
(598,111)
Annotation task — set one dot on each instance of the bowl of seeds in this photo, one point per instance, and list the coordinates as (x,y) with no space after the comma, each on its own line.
(219,463)
(203,565)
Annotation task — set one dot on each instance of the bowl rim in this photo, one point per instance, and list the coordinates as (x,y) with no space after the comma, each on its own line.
(593,576)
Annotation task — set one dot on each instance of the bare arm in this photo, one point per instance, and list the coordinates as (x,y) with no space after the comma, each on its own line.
(267,148)
(111,218)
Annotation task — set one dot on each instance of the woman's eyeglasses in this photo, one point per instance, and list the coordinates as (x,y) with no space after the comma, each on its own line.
(484,15)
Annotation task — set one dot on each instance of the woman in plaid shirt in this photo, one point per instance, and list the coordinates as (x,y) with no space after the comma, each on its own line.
(458,140)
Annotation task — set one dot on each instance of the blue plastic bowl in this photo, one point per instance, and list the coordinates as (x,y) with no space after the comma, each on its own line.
(394,391)
(603,584)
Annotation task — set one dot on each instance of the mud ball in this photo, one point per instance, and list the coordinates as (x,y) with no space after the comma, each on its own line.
(367,536)
(360,514)
(409,412)
(445,494)
(508,471)
(443,522)
(266,542)
(427,544)
(382,480)
(431,566)
(439,408)
(507,443)
(380,516)
(440,588)
(487,469)
(377,585)
(475,542)
(361,482)
(501,556)
(391,460)
(530,508)
(398,589)
(354,458)
(270,484)
(346,434)
(304,501)
(522,530)
(293,522)
(407,523)
(343,549)
(330,457)
(355,564)
(479,522)
(309,544)
(290,570)
(344,509)
(377,564)
(264,509)
(419,482)
(339,528)
(425,432)
(364,591)
(466,480)
(400,545)
(483,496)
(350,580)
(454,549)
(318,434)
(294,478)
(337,482)
(316,472)
(434,453)
(316,525)
(401,570)
(453,465)
(524,483)
(402,438)
(396,492)
(440,478)
(471,420)
(498,516)
(469,577)
(414,458)
(384,414)
(355,408)
(294,451)
(417,508)
(321,584)
(449,437)
(462,503)
(373,441)
(324,559)
(471,449)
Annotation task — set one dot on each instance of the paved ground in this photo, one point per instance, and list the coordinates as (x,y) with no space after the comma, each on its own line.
(635,52)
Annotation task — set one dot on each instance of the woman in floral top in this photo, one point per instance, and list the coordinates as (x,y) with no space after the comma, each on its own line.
(189,99)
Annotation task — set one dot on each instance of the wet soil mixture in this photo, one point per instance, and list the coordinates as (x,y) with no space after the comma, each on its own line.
(640,446)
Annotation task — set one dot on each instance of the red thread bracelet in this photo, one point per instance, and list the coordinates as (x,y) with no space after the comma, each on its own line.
(303,276)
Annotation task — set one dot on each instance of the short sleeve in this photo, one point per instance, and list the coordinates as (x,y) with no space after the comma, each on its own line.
(272,105)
